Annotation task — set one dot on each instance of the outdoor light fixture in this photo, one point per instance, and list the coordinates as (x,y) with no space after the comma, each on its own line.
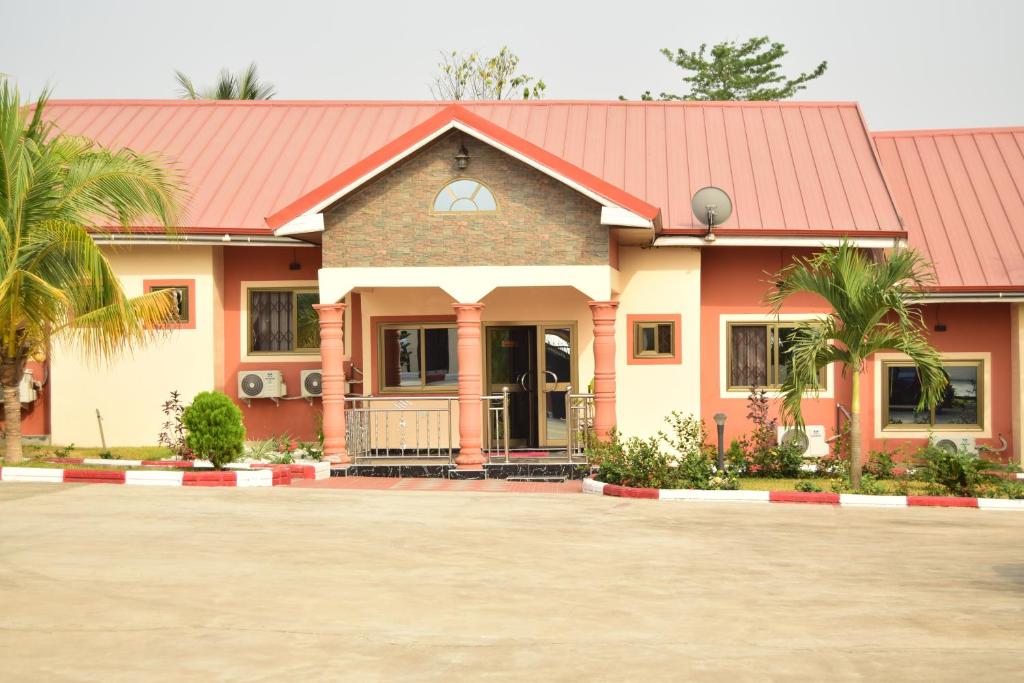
(720,421)
(462,158)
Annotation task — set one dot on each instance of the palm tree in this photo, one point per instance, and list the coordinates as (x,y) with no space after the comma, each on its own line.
(871,312)
(245,85)
(54,190)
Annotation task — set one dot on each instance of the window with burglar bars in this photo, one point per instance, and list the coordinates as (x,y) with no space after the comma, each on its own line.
(283,321)
(758,355)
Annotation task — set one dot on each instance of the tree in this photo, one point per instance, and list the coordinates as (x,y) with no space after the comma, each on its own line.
(471,76)
(749,71)
(246,85)
(871,312)
(54,280)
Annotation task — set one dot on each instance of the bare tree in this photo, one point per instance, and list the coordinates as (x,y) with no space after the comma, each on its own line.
(472,76)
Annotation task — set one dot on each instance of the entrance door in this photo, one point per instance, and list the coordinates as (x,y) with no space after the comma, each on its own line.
(537,364)
(512,363)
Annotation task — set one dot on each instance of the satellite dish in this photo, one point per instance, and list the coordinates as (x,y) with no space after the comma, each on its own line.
(712,206)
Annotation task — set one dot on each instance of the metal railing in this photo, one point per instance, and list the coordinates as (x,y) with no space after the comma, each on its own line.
(579,413)
(405,427)
(496,417)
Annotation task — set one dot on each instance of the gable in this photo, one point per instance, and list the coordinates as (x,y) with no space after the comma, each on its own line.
(391,220)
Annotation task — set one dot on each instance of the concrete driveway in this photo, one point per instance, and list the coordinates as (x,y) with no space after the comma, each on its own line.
(112,583)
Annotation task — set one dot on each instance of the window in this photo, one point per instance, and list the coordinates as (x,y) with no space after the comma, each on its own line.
(959,409)
(183,292)
(653,339)
(283,321)
(417,357)
(759,355)
(464,196)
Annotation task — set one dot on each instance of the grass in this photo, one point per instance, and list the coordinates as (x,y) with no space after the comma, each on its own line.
(119,452)
(42,464)
(758,484)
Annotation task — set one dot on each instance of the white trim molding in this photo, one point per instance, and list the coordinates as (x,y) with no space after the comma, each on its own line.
(723,352)
(778,241)
(986,431)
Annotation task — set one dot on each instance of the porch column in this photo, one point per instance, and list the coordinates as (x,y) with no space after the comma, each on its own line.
(332,352)
(603,313)
(470,354)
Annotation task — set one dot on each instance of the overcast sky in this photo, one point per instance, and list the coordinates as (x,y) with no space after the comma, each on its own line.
(911,64)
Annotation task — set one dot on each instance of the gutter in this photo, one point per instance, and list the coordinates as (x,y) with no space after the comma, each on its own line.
(778,241)
(968,297)
(200,240)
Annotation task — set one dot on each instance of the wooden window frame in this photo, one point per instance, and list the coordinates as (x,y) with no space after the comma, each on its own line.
(932,426)
(422,324)
(295,292)
(190,300)
(477,212)
(771,355)
(636,322)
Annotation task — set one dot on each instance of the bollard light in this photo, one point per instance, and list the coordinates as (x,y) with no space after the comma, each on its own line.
(720,421)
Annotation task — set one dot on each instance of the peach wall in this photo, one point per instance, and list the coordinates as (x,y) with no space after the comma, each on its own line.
(733,280)
(130,391)
(267,266)
(658,281)
(733,283)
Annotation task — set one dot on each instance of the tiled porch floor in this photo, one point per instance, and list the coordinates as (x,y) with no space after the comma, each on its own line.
(428,484)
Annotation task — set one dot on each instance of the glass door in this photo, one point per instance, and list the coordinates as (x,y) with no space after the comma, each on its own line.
(556,376)
(512,363)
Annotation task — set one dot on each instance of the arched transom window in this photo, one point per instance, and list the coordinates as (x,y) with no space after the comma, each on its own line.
(465,196)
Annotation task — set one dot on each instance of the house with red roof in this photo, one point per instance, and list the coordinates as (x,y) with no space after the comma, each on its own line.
(472,281)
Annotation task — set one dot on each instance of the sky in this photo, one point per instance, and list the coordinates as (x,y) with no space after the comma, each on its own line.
(911,64)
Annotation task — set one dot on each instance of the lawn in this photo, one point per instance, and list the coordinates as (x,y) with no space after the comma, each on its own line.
(757,484)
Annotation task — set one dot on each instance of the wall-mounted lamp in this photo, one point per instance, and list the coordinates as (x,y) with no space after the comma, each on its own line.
(462,157)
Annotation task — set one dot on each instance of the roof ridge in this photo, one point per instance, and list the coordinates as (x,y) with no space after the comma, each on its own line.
(405,103)
(933,132)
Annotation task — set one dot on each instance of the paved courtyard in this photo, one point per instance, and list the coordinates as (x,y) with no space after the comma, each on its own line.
(114,583)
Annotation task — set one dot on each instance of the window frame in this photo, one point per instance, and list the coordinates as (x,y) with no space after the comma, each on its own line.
(771,356)
(478,212)
(958,361)
(189,285)
(421,325)
(295,292)
(635,323)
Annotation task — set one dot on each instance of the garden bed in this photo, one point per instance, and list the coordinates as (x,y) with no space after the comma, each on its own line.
(765,496)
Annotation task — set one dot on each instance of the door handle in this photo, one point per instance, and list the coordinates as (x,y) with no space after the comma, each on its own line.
(553,374)
(522,380)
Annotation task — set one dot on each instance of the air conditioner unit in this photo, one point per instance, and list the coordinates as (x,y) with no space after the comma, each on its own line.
(954,444)
(811,440)
(312,383)
(261,384)
(27,389)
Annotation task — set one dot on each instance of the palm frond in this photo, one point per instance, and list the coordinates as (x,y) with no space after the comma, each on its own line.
(186,90)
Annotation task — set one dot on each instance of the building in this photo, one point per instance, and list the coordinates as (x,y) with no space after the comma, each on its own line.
(428,253)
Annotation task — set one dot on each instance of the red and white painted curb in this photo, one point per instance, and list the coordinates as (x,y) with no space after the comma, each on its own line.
(842,499)
(243,475)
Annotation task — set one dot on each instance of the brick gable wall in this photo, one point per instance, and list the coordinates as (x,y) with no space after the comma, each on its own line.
(389,221)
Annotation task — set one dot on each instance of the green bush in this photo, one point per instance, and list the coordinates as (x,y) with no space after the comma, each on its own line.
(807,486)
(880,464)
(214,429)
(960,473)
(870,486)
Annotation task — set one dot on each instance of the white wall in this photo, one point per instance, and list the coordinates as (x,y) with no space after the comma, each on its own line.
(130,391)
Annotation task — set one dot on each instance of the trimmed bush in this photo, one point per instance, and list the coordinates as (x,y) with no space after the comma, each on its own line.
(214,428)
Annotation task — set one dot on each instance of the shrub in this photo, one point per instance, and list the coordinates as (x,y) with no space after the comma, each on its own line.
(807,486)
(870,486)
(778,461)
(960,473)
(172,432)
(880,464)
(214,428)
(737,459)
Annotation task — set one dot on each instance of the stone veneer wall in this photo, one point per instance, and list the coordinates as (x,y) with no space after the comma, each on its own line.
(389,222)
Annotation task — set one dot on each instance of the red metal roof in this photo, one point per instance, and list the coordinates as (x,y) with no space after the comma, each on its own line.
(961,196)
(791,167)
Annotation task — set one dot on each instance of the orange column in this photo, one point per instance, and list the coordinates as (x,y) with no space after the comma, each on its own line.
(603,313)
(470,353)
(332,358)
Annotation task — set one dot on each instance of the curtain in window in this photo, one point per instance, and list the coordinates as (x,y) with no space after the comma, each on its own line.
(271,321)
(749,365)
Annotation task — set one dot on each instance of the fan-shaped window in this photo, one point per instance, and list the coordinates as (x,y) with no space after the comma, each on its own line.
(465,196)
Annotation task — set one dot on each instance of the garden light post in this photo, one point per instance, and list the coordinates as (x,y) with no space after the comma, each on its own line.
(720,421)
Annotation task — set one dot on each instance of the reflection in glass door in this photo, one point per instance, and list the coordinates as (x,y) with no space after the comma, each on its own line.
(556,378)
(512,363)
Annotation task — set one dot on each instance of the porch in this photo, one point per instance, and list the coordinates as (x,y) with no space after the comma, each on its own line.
(513,384)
